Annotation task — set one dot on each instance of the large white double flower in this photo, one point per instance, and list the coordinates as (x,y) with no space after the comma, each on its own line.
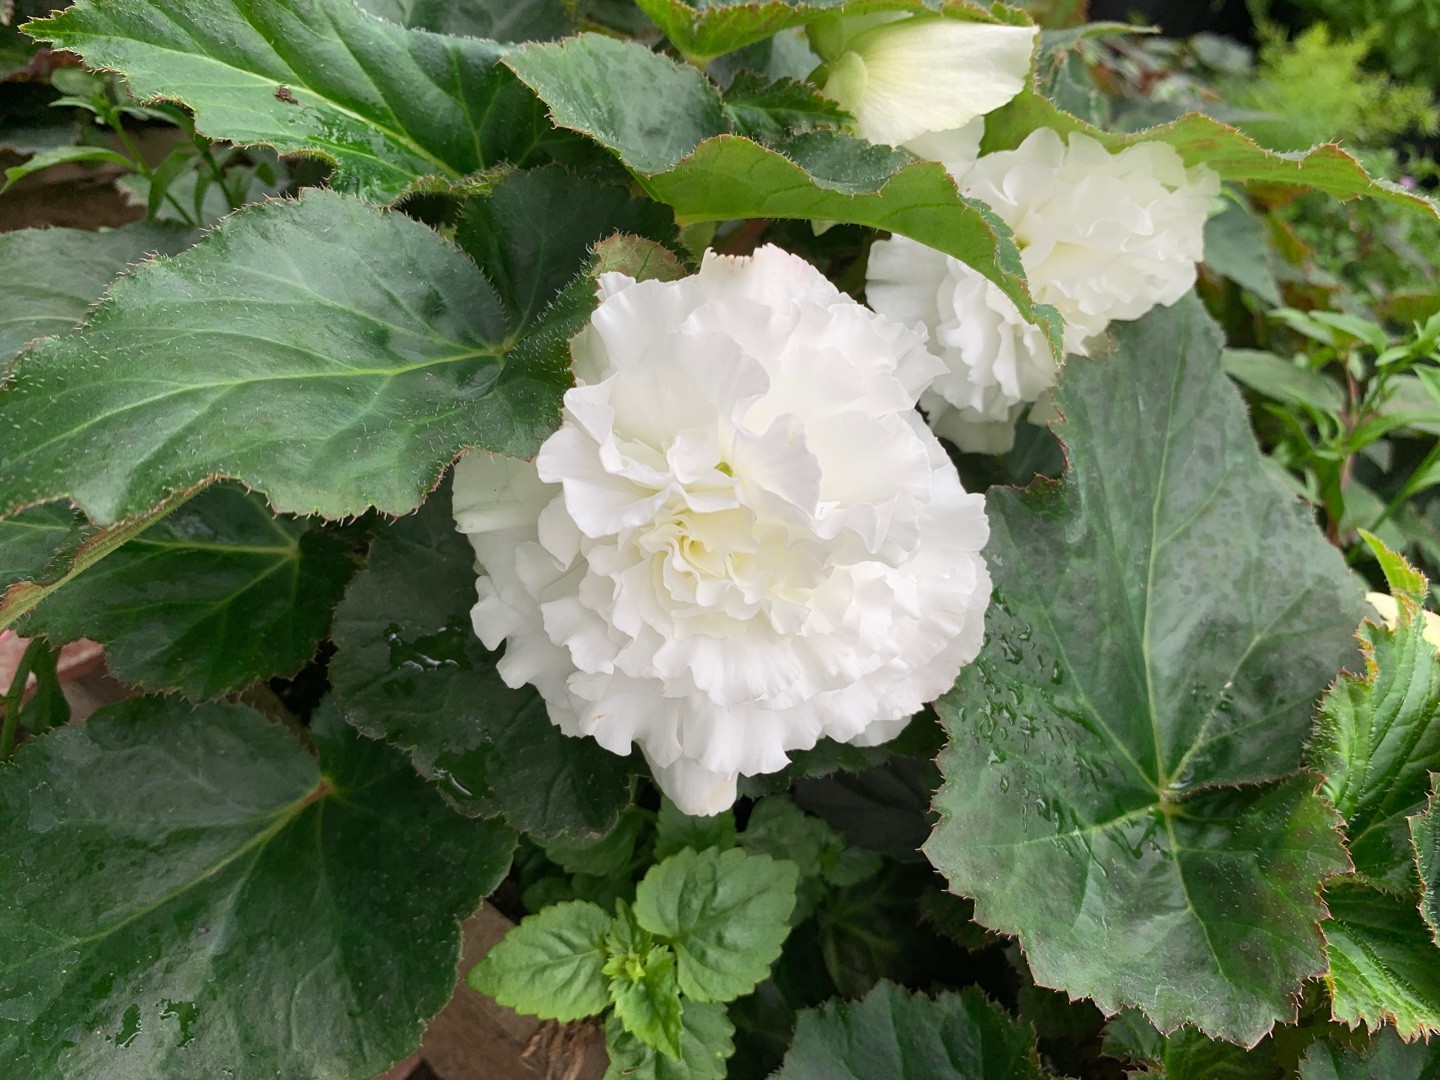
(742,539)
(1102,237)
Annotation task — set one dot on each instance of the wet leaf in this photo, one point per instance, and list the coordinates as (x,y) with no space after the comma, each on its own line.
(1120,783)
(901,1035)
(187,892)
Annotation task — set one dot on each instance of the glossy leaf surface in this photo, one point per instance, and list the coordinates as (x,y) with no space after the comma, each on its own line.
(901,1035)
(279,352)
(388,105)
(1119,782)
(214,596)
(188,893)
(409,669)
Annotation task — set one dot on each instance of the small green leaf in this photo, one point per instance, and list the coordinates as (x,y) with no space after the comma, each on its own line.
(1120,787)
(550,965)
(409,669)
(56,274)
(31,539)
(681,153)
(646,997)
(610,855)
(1399,574)
(705,1045)
(498,20)
(387,105)
(1425,835)
(1387,1058)
(900,1035)
(183,891)
(1200,140)
(218,594)
(388,368)
(676,830)
(725,912)
(1384,965)
(1376,741)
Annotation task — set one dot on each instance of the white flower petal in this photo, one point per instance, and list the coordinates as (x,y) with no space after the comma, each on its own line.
(926,74)
(742,537)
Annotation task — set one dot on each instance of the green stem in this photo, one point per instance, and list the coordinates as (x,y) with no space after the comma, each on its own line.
(16,694)
(138,160)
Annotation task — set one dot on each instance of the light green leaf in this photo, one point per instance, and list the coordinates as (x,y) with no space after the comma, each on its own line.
(498,20)
(1376,741)
(646,997)
(1200,140)
(1119,782)
(293,360)
(1425,834)
(1387,1058)
(681,153)
(409,669)
(56,274)
(551,964)
(1399,574)
(1384,965)
(900,1035)
(704,29)
(705,1045)
(725,912)
(387,105)
(218,594)
(1283,380)
(184,891)
(676,830)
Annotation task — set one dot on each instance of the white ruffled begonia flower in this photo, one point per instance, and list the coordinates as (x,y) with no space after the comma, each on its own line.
(1102,236)
(904,77)
(742,538)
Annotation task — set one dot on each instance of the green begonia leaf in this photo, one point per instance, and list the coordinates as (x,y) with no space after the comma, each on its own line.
(188,893)
(726,914)
(705,1046)
(614,853)
(646,996)
(1399,574)
(1119,788)
(1376,741)
(1425,834)
(900,1035)
(1184,1055)
(1236,248)
(498,20)
(768,111)
(218,594)
(1201,140)
(705,29)
(676,830)
(54,275)
(1283,380)
(1384,965)
(30,540)
(387,105)
(1388,1058)
(680,149)
(294,361)
(534,232)
(551,964)
(409,669)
